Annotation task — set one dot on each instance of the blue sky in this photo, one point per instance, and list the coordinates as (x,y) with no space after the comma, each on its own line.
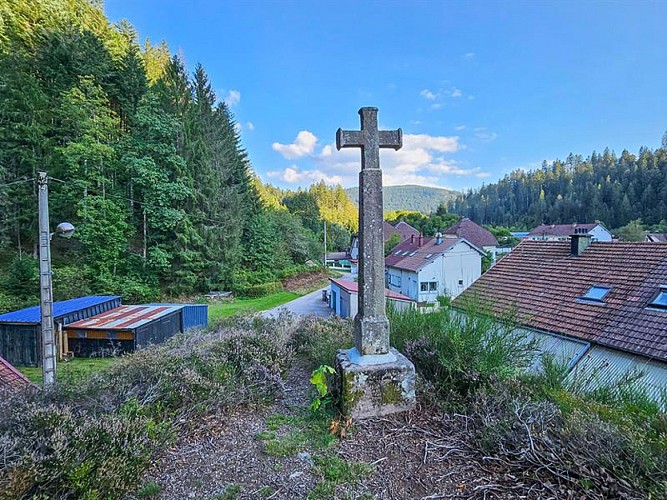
(479,88)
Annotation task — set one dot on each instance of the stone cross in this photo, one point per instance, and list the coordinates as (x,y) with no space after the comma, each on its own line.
(371,330)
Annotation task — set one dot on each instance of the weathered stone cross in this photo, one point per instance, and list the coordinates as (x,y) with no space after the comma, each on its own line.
(374,378)
(371,332)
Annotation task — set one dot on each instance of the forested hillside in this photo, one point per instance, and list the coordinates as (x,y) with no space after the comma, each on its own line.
(422,199)
(145,161)
(604,187)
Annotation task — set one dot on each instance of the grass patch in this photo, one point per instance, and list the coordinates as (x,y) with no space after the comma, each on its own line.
(290,434)
(149,490)
(72,371)
(334,471)
(220,310)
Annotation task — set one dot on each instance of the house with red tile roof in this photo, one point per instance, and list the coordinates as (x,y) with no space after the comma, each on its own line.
(610,299)
(402,229)
(562,232)
(426,268)
(344,298)
(475,234)
(10,377)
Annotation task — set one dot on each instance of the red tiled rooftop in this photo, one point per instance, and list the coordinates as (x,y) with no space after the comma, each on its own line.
(412,256)
(405,230)
(10,377)
(474,233)
(542,281)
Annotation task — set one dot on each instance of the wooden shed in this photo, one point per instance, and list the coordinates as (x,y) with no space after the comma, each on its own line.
(20,331)
(124,329)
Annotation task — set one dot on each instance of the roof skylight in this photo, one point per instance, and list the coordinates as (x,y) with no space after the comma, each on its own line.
(660,300)
(428,256)
(596,293)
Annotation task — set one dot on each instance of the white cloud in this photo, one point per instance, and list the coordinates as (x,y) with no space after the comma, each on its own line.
(250,126)
(469,55)
(485,135)
(293,175)
(233,98)
(460,127)
(303,145)
(427,94)
(455,92)
(424,159)
(437,105)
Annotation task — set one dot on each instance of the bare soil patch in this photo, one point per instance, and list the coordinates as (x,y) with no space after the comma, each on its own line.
(306,282)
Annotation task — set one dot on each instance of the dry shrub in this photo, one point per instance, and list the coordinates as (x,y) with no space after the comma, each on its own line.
(93,440)
(576,454)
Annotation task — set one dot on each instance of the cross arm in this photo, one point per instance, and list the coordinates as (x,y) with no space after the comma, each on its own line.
(391,139)
(348,139)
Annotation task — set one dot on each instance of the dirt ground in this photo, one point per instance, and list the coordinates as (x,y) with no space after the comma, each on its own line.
(425,453)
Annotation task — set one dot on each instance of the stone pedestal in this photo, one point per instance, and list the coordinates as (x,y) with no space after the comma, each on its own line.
(375,385)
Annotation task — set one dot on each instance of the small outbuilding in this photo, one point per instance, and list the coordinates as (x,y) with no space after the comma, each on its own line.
(344,298)
(193,315)
(20,331)
(124,329)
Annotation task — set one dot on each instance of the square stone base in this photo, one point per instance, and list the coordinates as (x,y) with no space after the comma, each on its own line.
(371,386)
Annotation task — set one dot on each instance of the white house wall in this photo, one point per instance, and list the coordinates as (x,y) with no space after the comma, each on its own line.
(599,233)
(460,263)
(603,367)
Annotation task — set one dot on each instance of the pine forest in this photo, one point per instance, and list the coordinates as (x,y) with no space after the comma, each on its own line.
(144,159)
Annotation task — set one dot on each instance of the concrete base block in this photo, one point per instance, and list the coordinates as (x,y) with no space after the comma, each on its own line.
(369,389)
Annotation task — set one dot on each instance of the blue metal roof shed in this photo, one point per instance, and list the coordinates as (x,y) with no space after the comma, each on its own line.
(20,330)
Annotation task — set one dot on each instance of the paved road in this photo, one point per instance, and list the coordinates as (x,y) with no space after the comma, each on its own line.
(304,306)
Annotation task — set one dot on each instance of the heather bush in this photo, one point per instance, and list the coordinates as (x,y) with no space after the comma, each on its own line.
(458,351)
(318,340)
(95,438)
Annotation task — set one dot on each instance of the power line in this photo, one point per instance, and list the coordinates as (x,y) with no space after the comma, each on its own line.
(16,182)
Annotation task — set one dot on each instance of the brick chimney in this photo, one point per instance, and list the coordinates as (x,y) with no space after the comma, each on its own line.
(421,238)
(579,243)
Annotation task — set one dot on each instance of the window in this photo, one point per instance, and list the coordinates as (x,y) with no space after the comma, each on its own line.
(428,256)
(398,253)
(412,254)
(394,280)
(428,286)
(405,253)
(460,282)
(596,293)
(660,299)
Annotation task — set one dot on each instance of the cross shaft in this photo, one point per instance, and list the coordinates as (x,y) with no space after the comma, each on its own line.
(371,332)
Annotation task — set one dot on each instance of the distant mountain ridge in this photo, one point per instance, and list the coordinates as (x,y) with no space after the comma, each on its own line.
(410,197)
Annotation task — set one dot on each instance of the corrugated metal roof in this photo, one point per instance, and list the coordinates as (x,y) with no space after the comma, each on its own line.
(61,308)
(602,367)
(10,377)
(124,318)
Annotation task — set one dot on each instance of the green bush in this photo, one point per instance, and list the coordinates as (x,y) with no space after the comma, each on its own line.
(318,340)
(263,289)
(457,351)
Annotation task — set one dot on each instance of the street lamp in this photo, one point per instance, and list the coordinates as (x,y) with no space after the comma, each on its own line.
(66,230)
